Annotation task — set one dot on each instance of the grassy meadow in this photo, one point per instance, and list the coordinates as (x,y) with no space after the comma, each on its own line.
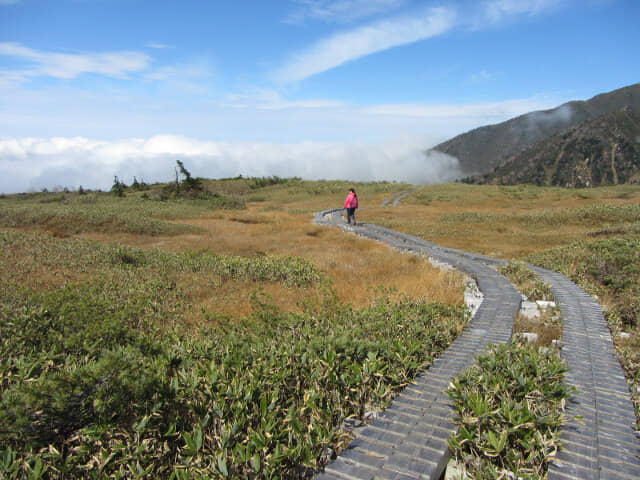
(226,336)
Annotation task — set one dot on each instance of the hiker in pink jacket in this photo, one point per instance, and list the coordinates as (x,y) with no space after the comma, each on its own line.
(351,203)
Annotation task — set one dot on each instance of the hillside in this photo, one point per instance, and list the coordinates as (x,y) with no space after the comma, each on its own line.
(484,148)
(602,151)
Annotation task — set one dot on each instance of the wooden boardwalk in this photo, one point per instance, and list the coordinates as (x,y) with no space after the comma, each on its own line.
(409,439)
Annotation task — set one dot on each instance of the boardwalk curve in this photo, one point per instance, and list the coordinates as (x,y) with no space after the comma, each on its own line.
(408,440)
(599,437)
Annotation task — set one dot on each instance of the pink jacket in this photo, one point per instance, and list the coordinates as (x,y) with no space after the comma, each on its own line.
(351,201)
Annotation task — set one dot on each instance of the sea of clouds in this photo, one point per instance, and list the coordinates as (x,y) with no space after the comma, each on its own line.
(31,164)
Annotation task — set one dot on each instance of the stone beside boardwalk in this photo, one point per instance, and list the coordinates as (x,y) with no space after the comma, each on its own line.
(409,439)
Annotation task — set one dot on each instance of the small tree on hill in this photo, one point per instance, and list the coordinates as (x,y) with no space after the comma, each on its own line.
(189,183)
(118,187)
(139,185)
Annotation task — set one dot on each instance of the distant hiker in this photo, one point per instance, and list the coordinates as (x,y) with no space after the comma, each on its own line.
(351,203)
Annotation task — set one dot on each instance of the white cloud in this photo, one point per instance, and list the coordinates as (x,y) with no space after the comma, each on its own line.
(191,78)
(158,45)
(343,47)
(14,49)
(485,111)
(250,115)
(341,10)
(268,99)
(71,65)
(358,42)
(482,76)
(498,10)
(195,74)
(11,77)
(35,163)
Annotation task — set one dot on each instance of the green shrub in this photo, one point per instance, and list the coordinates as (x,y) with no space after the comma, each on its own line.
(265,395)
(526,281)
(99,377)
(509,408)
(99,212)
(599,215)
(261,182)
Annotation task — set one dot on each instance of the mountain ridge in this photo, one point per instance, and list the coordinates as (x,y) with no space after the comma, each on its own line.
(481,150)
(601,151)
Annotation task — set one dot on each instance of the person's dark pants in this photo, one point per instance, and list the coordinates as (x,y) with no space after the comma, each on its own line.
(351,213)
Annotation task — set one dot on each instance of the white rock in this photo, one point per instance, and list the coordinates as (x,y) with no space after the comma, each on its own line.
(530,309)
(455,471)
(473,297)
(529,337)
(370,416)
(544,304)
(441,265)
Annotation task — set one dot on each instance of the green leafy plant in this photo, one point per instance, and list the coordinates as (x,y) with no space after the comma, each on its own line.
(509,407)
(100,376)
(526,281)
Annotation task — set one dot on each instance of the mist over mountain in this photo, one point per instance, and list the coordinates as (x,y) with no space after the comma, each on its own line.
(480,150)
(601,151)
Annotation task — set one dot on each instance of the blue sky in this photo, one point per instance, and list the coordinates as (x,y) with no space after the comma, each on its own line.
(321,89)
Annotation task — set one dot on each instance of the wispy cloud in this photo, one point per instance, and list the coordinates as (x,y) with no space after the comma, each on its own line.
(9,2)
(339,11)
(268,99)
(191,78)
(495,11)
(158,45)
(72,65)
(482,76)
(181,71)
(10,77)
(486,111)
(186,77)
(343,47)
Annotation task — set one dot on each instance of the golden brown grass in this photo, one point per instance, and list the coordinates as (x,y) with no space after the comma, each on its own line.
(489,219)
(358,268)
(484,219)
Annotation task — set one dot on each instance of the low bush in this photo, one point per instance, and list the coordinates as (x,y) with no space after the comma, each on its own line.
(101,212)
(526,281)
(509,408)
(101,377)
(261,182)
(598,215)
